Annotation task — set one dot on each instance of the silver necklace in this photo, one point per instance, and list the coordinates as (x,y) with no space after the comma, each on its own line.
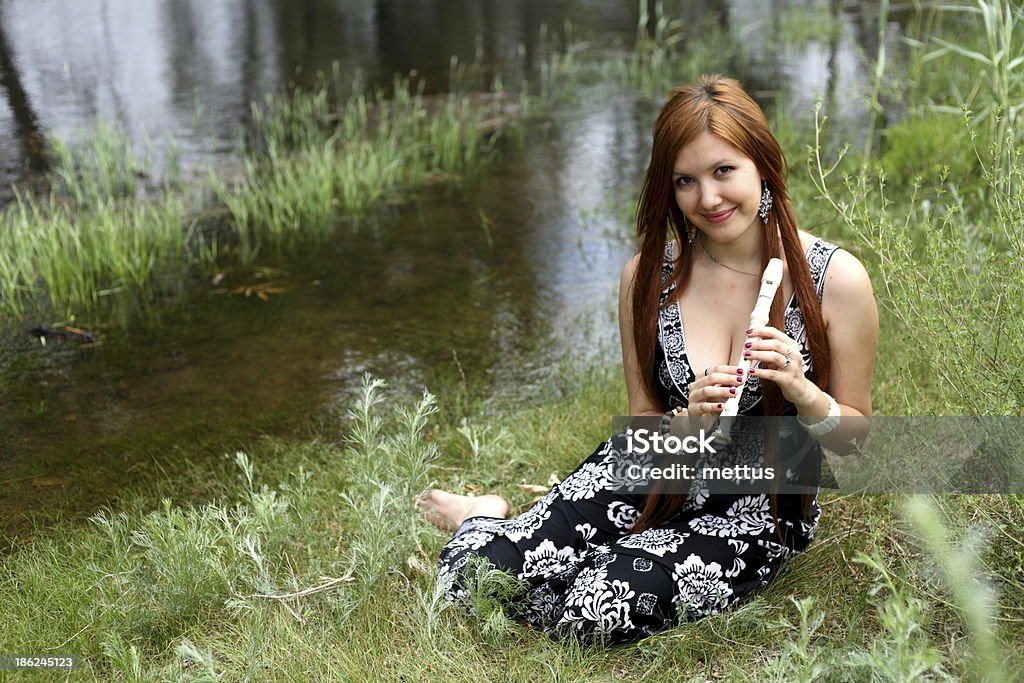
(712,257)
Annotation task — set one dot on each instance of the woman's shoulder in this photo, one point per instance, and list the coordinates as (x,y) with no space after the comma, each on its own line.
(634,261)
(809,242)
(630,267)
(845,278)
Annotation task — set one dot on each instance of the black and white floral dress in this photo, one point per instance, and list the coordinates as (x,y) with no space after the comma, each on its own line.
(586,573)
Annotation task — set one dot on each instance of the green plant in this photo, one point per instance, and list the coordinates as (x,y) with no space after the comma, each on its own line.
(974,599)
(929,149)
(937,268)
(995,92)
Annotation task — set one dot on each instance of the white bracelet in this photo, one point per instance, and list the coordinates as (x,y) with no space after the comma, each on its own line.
(666,421)
(825,424)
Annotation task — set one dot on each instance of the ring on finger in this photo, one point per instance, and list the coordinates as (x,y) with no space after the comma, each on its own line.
(706,371)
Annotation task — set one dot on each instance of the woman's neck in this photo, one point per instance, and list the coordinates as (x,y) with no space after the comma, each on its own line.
(743,254)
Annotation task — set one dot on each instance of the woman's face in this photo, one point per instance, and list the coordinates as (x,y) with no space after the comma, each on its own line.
(717,187)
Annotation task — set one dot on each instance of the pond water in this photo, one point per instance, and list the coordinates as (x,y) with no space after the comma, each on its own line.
(488,285)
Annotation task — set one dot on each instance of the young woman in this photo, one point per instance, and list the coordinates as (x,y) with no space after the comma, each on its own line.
(611,563)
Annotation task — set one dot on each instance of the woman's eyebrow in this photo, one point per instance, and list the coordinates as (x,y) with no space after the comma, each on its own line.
(720,162)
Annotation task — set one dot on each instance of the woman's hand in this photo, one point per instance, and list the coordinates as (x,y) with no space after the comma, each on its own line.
(780,361)
(709,393)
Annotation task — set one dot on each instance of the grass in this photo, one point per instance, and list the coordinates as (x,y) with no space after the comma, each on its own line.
(665,53)
(78,256)
(310,161)
(988,60)
(311,563)
(93,234)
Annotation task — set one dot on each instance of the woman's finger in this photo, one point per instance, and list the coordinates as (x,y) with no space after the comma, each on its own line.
(773,359)
(722,375)
(767,332)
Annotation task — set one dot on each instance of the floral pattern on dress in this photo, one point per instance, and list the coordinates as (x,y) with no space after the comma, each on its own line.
(447,575)
(597,603)
(700,588)
(587,577)
(622,515)
(751,515)
(471,539)
(747,516)
(544,605)
(655,541)
(674,371)
(585,482)
(524,526)
(697,495)
(547,560)
(586,530)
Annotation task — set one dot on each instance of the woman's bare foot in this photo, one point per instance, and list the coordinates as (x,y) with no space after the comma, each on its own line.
(448,511)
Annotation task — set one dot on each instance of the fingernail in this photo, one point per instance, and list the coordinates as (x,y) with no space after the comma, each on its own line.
(752,371)
(720,406)
(748,345)
(739,380)
(732,391)
(739,371)
(746,354)
(750,330)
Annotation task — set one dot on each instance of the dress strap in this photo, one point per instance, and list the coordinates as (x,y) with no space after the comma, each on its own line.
(818,257)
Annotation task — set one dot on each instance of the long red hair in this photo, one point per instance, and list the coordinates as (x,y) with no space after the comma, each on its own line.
(719,106)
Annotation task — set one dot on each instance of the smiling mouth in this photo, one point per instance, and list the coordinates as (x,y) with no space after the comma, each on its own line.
(719,217)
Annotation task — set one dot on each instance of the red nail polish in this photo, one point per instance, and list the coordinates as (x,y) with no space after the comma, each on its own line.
(720,406)
(748,345)
(739,380)
(752,371)
(739,371)
(750,330)
(732,391)
(746,354)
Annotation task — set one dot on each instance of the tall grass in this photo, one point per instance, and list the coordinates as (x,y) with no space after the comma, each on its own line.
(92,235)
(310,161)
(989,80)
(125,589)
(946,279)
(100,230)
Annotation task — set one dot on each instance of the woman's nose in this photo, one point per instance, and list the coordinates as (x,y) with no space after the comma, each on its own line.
(709,196)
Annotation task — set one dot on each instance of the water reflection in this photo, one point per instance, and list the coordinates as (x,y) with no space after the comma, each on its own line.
(189,69)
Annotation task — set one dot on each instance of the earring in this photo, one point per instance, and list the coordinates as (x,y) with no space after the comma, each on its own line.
(766,202)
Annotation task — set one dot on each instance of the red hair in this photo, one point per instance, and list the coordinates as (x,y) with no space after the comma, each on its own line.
(719,106)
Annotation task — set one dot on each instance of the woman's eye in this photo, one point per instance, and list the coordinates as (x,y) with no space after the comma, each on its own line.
(683,181)
(722,170)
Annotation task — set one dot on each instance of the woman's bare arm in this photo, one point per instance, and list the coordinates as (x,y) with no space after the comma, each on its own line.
(851,319)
